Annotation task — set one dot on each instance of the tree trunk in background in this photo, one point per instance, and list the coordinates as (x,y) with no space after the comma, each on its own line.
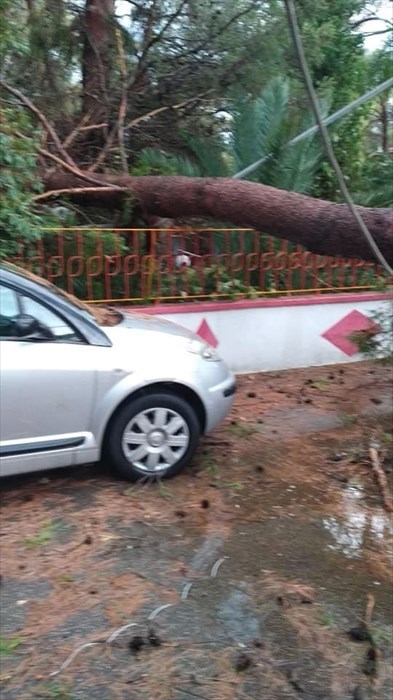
(320,226)
(98,25)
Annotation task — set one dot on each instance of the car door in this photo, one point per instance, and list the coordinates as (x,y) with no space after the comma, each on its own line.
(47,389)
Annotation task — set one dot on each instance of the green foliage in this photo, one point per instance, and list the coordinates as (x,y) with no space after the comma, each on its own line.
(152,161)
(21,219)
(44,536)
(377,342)
(338,65)
(97,246)
(18,184)
(7,646)
(209,154)
(326,618)
(193,282)
(242,430)
(13,40)
(230,63)
(378,176)
(257,126)
(54,691)
(271,121)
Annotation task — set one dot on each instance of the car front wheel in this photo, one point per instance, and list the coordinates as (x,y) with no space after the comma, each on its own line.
(153,436)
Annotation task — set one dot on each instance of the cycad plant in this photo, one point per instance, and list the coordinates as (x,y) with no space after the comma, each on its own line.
(263,127)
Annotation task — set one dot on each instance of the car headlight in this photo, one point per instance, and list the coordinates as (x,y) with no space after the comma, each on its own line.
(197,347)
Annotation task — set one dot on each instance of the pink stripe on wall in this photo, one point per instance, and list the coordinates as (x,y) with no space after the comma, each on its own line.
(205,306)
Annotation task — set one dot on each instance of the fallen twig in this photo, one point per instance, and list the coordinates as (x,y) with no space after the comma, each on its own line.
(119,631)
(185,591)
(73,655)
(369,609)
(381,478)
(86,645)
(215,567)
(158,610)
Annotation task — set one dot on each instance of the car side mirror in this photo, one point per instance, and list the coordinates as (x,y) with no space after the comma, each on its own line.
(26,326)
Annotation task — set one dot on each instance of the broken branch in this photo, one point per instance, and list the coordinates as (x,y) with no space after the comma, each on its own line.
(381,479)
(75,171)
(76,190)
(68,167)
(71,136)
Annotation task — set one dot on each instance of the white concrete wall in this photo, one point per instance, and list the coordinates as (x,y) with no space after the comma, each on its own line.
(280,333)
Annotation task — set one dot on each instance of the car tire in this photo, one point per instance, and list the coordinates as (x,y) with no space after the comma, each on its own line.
(154,436)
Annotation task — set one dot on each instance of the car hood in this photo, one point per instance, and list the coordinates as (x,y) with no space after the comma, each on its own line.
(147,323)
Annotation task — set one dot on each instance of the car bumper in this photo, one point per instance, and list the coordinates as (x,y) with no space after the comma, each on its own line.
(218,402)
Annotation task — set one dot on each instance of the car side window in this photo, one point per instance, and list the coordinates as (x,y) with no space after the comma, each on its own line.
(62,332)
(13,304)
(9,310)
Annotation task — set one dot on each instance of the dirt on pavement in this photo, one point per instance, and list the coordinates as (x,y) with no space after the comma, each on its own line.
(263,571)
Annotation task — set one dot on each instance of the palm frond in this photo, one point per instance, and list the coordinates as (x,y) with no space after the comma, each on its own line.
(210,154)
(295,167)
(380,178)
(257,123)
(153,161)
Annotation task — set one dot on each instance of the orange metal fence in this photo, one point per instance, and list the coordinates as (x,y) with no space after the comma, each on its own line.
(144,266)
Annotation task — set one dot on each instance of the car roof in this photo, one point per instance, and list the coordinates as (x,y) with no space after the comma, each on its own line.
(24,281)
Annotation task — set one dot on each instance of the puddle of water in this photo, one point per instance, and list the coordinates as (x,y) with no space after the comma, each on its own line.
(239,617)
(298,551)
(206,554)
(358,527)
(297,421)
(343,553)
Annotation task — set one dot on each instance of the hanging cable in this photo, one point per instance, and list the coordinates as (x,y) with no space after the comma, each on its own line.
(299,50)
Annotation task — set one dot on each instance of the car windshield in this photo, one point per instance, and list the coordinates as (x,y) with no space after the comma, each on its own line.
(104,316)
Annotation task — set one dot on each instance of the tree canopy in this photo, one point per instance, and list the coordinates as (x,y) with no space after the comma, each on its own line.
(102,93)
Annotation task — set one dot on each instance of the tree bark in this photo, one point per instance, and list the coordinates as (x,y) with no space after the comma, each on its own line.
(320,226)
(98,32)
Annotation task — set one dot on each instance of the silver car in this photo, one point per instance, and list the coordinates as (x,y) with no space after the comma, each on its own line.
(136,392)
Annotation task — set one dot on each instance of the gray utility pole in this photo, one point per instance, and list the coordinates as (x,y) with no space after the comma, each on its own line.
(329,120)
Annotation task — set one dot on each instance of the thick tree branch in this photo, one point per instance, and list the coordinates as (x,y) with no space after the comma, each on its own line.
(75,171)
(320,226)
(77,191)
(380,31)
(73,134)
(123,101)
(165,108)
(364,20)
(79,173)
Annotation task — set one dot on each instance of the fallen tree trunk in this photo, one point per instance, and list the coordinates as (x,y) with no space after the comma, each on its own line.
(320,226)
